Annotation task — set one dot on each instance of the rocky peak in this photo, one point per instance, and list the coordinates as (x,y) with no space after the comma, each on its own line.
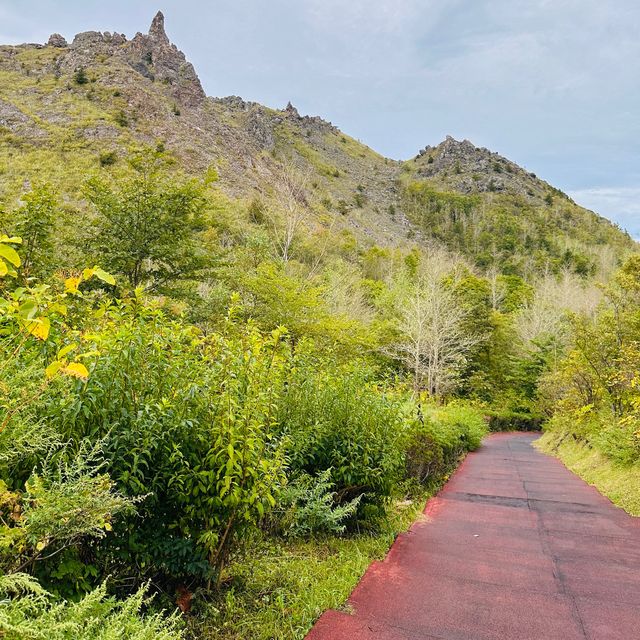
(470,169)
(291,111)
(154,57)
(156,31)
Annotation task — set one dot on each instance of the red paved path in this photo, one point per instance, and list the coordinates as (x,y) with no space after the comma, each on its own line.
(514,547)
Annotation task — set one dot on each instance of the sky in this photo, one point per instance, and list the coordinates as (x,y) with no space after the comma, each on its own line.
(552,84)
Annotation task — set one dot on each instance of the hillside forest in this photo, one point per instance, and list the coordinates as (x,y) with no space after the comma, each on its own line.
(225,388)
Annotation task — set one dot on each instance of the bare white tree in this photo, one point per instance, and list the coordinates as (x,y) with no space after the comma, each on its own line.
(498,288)
(291,208)
(434,341)
(554,297)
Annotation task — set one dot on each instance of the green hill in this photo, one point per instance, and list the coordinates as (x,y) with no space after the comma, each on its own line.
(68,110)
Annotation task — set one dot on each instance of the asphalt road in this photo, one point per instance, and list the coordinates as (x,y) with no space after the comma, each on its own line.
(514,547)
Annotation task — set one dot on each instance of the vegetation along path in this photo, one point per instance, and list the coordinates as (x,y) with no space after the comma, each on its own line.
(516,547)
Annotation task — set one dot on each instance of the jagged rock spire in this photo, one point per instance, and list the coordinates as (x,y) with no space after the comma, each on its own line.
(156,30)
(291,110)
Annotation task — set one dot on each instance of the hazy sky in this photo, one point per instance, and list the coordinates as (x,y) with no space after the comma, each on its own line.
(552,84)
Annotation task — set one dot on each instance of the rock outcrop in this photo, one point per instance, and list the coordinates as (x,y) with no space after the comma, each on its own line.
(469,169)
(152,56)
(56,40)
(156,58)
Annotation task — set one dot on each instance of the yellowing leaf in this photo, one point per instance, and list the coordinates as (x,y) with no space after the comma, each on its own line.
(53,368)
(12,239)
(65,350)
(3,269)
(57,307)
(28,310)
(103,275)
(77,370)
(38,327)
(107,526)
(41,545)
(71,284)
(9,254)
(87,273)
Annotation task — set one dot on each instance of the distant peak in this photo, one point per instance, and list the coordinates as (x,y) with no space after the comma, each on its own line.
(156,30)
(291,110)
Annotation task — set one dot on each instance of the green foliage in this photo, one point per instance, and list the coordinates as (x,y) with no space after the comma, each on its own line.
(108,158)
(59,507)
(146,222)
(257,211)
(34,223)
(27,612)
(280,297)
(593,392)
(279,588)
(437,436)
(189,423)
(80,76)
(359,199)
(342,207)
(121,118)
(66,499)
(619,482)
(510,232)
(338,420)
(507,420)
(308,506)
(234,483)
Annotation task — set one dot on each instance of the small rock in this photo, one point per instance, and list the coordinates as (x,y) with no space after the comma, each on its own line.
(56,40)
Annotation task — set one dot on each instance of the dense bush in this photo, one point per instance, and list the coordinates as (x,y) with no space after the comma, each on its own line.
(514,421)
(189,429)
(336,418)
(437,436)
(308,505)
(28,612)
(592,394)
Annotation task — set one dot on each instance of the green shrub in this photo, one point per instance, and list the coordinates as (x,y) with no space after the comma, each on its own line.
(424,455)
(342,207)
(108,158)
(189,423)
(335,418)
(80,76)
(508,420)
(437,436)
(458,427)
(28,611)
(121,118)
(307,506)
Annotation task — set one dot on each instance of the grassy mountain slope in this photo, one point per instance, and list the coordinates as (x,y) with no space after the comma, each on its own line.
(67,110)
(498,214)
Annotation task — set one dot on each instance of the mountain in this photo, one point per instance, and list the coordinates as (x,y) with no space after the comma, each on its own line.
(70,109)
